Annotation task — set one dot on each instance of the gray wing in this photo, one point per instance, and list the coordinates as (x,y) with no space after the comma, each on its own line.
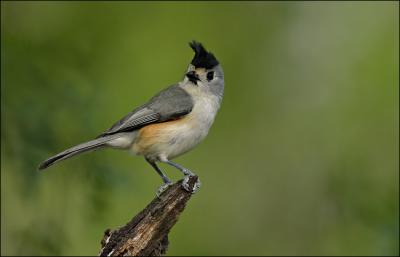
(168,104)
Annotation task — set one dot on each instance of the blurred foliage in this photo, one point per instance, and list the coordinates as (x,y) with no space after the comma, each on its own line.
(303,156)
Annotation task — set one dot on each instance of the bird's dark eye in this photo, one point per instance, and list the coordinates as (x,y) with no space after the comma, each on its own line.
(210,75)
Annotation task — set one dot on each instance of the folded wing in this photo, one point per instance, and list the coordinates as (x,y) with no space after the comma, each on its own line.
(171,103)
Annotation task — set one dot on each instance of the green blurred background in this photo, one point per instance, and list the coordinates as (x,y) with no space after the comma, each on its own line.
(302,158)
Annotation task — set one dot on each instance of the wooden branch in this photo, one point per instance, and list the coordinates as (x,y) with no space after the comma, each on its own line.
(147,233)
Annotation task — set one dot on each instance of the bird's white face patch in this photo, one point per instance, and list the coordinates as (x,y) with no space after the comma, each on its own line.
(200,71)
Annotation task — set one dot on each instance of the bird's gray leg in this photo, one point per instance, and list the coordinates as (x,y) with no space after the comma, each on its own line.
(187,174)
(165,179)
(185,171)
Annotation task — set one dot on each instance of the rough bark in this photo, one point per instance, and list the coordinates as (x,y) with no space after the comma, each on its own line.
(147,233)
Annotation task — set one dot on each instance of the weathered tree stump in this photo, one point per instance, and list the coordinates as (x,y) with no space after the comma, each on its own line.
(147,233)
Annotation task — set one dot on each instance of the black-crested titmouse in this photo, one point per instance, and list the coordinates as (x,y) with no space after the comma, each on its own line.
(171,123)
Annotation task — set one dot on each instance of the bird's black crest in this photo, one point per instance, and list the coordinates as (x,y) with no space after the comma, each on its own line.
(202,58)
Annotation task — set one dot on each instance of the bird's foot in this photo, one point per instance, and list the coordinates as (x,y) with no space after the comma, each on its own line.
(188,187)
(162,188)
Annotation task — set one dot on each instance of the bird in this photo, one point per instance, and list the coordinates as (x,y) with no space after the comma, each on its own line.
(170,124)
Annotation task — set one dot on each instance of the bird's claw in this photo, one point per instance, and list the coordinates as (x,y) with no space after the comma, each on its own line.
(162,188)
(191,189)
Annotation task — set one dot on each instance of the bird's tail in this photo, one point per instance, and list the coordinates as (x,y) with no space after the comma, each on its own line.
(78,149)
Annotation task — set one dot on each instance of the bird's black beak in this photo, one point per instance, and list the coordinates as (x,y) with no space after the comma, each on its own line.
(192,76)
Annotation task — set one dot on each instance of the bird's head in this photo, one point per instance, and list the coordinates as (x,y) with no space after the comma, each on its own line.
(204,69)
